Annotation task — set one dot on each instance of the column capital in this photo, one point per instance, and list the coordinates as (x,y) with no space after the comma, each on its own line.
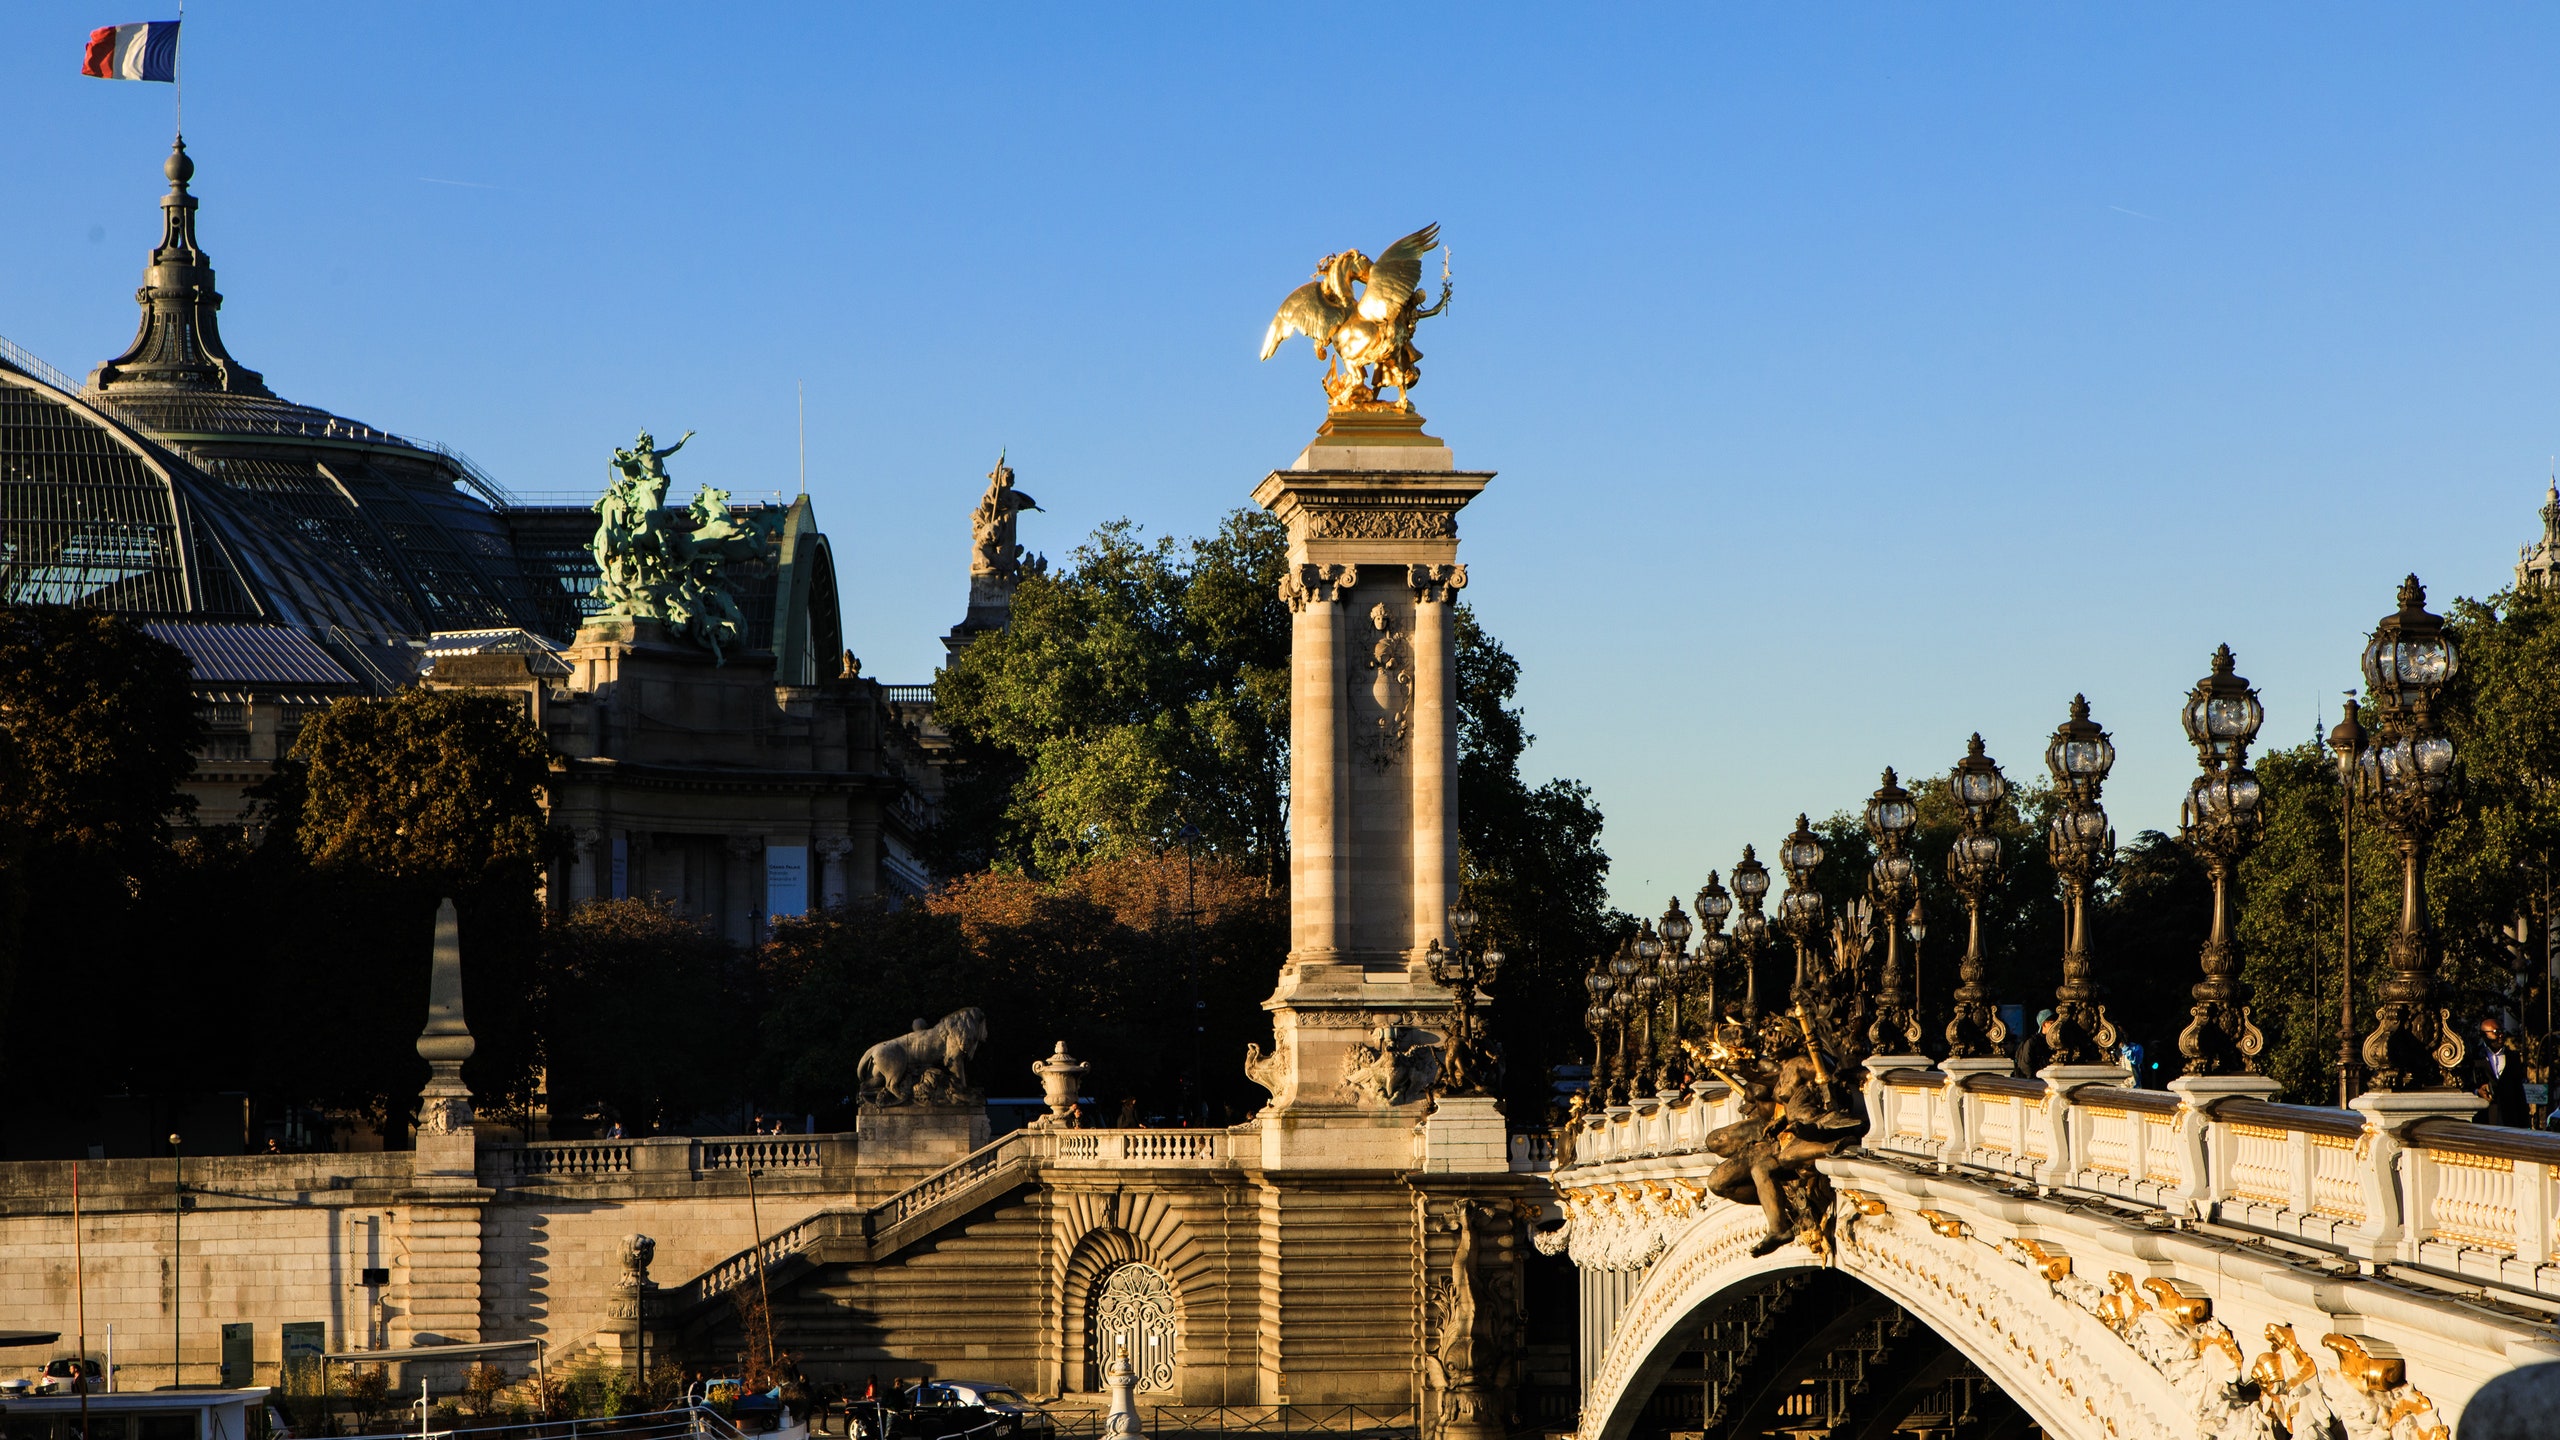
(1436,583)
(1306,585)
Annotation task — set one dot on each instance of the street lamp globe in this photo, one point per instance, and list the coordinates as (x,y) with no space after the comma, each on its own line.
(2080,754)
(1890,811)
(1713,903)
(2410,660)
(1800,854)
(1978,784)
(2223,713)
(1750,880)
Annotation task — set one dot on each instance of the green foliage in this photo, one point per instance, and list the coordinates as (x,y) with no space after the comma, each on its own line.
(1142,688)
(2488,867)
(1146,686)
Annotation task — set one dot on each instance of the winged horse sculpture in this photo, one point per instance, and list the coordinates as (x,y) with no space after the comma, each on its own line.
(1360,313)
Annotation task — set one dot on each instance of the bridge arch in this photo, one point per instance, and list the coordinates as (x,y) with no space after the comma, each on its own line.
(2057,1363)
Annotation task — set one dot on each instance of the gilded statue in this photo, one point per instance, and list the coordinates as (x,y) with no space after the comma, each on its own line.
(1360,313)
(1792,1113)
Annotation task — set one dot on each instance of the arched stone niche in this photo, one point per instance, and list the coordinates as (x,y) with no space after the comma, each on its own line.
(1119,1291)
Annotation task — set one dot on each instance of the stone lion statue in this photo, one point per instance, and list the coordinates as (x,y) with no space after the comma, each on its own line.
(927,1066)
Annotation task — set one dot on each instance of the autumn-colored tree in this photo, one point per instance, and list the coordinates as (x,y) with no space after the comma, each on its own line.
(1109,958)
(396,803)
(437,788)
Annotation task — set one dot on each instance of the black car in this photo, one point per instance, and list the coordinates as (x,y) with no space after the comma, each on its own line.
(937,1409)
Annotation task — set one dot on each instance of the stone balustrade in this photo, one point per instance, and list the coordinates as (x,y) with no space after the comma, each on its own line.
(671,1156)
(1081,1148)
(2398,1181)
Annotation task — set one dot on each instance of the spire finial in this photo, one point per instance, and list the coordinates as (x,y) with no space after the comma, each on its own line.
(179,344)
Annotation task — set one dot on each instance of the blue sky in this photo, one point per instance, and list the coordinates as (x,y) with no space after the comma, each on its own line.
(1858,376)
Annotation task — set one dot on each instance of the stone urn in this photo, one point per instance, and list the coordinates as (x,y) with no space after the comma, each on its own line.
(1061,1076)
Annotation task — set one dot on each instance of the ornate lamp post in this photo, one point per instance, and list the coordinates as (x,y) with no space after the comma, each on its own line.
(1842,997)
(1895,885)
(2347,744)
(1677,968)
(1801,911)
(1751,928)
(2221,821)
(1713,949)
(1468,1070)
(1622,968)
(1599,982)
(1648,1001)
(2079,756)
(1975,1032)
(2414,777)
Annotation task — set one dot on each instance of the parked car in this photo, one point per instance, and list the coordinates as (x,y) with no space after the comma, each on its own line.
(940,1408)
(61,1373)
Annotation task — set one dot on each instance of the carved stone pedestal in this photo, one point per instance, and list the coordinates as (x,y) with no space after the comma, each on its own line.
(926,1137)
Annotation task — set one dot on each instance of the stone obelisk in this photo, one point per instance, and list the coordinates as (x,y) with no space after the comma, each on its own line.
(1371,508)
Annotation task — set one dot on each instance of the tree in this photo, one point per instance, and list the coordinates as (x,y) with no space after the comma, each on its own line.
(1107,958)
(2488,890)
(1141,689)
(437,789)
(97,732)
(1145,687)
(630,997)
(396,803)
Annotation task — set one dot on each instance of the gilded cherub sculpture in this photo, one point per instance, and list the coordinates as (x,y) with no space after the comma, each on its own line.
(1365,336)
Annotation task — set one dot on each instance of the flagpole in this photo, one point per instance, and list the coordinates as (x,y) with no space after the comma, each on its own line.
(178,76)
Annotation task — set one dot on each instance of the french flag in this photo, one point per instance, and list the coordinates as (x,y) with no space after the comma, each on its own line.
(144,51)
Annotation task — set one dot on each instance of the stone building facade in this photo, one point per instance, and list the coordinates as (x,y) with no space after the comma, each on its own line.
(1357,1242)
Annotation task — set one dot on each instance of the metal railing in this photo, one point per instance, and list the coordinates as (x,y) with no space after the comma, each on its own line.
(35,365)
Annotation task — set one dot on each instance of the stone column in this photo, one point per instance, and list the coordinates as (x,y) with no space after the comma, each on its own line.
(738,900)
(1318,722)
(583,883)
(831,851)
(437,1290)
(1435,751)
(1357,1022)
(862,861)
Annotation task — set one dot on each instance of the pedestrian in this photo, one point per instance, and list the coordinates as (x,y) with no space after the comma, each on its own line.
(2036,1050)
(2497,1075)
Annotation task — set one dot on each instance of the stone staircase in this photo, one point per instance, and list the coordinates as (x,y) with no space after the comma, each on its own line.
(860,1235)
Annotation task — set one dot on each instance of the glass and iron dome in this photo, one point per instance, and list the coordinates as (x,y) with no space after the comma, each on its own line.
(175,483)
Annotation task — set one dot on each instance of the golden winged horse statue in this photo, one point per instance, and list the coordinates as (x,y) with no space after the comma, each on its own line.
(1365,333)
